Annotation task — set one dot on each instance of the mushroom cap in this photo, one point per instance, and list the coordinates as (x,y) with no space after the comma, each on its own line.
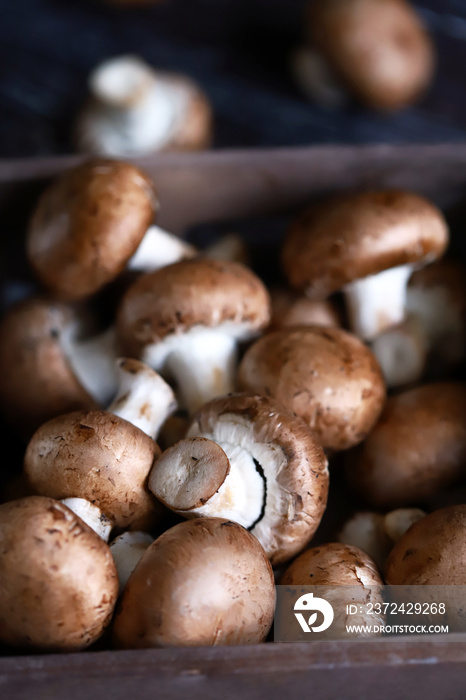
(378,48)
(87,225)
(357,235)
(198,292)
(204,582)
(291,309)
(98,456)
(417,447)
(37,382)
(325,375)
(431,552)
(294,510)
(332,564)
(58,582)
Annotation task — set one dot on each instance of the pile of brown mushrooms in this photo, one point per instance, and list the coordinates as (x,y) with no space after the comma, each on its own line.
(178,453)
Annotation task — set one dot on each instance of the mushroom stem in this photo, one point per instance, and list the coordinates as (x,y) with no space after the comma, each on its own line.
(144,398)
(91,515)
(93,362)
(202,361)
(398,521)
(316,79)
(402,353)
(127,549)
(159,248)
(193,479)
(377,302)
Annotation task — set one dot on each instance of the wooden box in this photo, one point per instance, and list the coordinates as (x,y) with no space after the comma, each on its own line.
(223,187)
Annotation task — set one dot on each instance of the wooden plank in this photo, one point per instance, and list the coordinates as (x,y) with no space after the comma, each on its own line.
(386,669)
(221,185)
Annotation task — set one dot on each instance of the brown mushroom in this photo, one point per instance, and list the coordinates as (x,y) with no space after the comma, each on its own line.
(134,109)
(58,582)
(427,566)
(417,448)
(49,368)
(185,320)
(366,244)
(332,566)
(87,225)
(291,309)
(432,340)
(204,582)
(430,551)
(248,459)
(97,456)
(378,50)
(375,533)
(325,375)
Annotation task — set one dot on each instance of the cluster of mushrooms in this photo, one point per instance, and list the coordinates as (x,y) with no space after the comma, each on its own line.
(179,455)
(376,51)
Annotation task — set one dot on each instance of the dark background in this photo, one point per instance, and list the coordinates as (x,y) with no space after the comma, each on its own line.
(238,50)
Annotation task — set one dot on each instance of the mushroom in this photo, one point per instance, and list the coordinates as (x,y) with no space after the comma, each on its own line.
(134,109)
(325,375)
(378,50)
(432,340)
(427,565)
(87,225)
(430,551)
(401,352)
(330,567)
(204,582)
(52,367)
(290,309)
(436,298)
(185,321)
(367,245)
(248,459)
(416,449)
(376,534)
(127,549)
(101,456)
(58,582)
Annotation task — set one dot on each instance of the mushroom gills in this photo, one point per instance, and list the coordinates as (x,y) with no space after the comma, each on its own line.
(257,466)
(377,302)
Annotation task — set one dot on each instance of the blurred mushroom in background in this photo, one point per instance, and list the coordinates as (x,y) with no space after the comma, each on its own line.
(376,50)
(134,109)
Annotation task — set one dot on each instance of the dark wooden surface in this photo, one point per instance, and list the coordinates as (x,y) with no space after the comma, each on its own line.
(326,671)
(237,49)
